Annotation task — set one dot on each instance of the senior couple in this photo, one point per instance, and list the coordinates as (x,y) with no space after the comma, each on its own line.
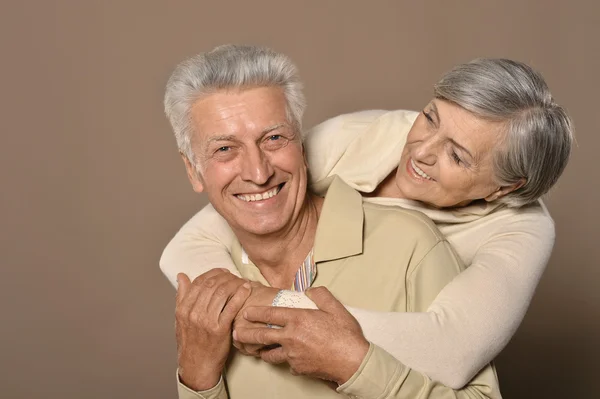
(382,254)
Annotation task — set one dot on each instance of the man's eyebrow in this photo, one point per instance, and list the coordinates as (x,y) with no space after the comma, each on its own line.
(272,128)
(229,137)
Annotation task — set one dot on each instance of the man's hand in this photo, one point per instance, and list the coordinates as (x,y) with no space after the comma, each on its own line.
(261,296)
(204,314)
(327,343)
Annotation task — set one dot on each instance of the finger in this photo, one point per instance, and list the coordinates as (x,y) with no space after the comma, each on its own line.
(248,349)
(187,295)
(235,304)
(324,300)
(213,288)
(260,336)
(271,315)
(274,356)
(209,274)
(226,287)
(183,286)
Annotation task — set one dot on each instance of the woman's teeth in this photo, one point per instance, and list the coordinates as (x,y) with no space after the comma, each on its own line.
(419,171)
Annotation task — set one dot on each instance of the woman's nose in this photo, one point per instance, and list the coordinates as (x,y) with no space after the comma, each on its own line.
(426,151)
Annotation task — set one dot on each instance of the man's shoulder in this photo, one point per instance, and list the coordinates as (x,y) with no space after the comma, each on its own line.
(411,224)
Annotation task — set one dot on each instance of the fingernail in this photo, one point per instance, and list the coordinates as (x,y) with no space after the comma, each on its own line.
(246,285)
(235,335)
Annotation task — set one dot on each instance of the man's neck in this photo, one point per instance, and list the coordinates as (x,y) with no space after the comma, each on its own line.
(278,256)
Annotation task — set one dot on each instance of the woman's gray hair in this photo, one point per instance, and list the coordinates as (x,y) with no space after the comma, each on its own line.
(229,67)
(539,133)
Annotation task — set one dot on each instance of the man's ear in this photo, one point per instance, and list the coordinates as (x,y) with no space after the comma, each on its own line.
(502,191)
(192,174)
(304,156)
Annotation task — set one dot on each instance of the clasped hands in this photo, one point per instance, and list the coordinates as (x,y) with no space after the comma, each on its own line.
(218,308)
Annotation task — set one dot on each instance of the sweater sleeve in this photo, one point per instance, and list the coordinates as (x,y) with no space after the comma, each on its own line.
(361,148)
(475,315)
(203,243)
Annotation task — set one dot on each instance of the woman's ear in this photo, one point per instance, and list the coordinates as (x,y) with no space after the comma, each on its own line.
(502,191)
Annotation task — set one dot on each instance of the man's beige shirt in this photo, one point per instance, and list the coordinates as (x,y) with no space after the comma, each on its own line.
(373,257)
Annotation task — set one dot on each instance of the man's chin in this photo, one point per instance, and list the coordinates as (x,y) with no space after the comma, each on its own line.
(260,227)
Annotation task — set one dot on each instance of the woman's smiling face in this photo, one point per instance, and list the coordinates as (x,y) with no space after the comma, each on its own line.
(448,157)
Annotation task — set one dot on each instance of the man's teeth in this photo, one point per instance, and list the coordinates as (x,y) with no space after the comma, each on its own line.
(419,171)
(260,196)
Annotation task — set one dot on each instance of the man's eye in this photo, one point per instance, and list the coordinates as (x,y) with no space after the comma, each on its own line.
(274,137)
(223,149)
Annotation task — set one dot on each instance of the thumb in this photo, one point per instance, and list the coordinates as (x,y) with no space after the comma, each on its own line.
(183,286)
(324,299)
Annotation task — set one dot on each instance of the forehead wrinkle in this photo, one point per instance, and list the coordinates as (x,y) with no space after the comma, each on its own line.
(470,129)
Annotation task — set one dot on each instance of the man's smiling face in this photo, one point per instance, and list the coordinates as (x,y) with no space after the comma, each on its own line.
(250,159)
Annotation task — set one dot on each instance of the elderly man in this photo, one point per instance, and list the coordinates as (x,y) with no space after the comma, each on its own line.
(236,112)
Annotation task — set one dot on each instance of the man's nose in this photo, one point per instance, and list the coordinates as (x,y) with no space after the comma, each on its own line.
(256,167)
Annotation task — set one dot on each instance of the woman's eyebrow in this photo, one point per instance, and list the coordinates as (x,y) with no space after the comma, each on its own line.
(434,110)
(462,148)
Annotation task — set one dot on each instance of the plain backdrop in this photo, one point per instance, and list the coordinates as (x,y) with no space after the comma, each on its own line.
(93,187)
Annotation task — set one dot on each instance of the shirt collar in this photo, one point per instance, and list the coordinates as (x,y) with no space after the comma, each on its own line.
(340,228)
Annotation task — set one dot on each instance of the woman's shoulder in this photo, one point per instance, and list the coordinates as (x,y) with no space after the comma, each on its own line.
(535,214)
(528,222)
(364,119)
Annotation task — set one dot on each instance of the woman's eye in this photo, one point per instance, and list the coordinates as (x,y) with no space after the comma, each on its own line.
(428,116)
(274,137)
(455,157)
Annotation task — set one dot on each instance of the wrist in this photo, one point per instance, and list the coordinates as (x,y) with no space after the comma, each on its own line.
(262,295)
(198,380)
(351,361)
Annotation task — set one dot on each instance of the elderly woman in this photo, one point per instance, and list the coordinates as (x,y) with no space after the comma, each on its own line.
(475,160)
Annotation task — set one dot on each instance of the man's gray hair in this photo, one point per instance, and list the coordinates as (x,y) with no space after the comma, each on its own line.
(539,133)
(229,67)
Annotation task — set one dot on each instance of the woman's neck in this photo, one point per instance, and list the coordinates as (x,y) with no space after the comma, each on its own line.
(387,188)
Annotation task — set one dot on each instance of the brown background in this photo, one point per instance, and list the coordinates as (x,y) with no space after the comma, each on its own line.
(93,188)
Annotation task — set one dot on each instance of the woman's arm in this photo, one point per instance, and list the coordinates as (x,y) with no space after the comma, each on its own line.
(469,323)
(203,243)
(474,316)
